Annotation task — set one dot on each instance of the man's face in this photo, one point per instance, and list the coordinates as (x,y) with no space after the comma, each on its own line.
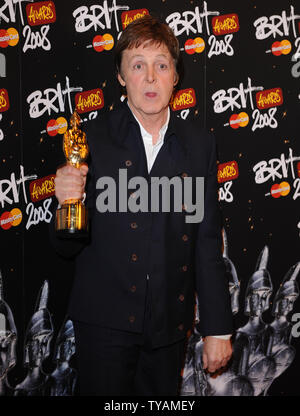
(149,75)
(259,301)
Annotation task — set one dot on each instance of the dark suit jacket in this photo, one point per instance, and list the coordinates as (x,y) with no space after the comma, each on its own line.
(111,268)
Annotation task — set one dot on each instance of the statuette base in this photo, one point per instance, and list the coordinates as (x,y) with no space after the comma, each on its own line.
(72,220)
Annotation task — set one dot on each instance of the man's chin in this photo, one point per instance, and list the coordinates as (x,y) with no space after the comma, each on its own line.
(153,109)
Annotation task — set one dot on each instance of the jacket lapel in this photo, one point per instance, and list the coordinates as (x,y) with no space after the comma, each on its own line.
(172,159)
(126,135)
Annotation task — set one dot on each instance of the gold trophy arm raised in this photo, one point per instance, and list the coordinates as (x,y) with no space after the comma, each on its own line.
(72,216)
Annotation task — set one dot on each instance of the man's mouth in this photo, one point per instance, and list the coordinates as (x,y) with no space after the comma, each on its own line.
(151,94)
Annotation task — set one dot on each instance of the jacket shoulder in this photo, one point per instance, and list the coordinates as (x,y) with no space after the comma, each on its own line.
(108,125)
(95,128)
(199,142)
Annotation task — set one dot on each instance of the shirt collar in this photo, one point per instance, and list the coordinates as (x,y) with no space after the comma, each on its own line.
(146,135)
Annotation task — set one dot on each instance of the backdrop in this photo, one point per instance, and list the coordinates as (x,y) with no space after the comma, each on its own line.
(241,80)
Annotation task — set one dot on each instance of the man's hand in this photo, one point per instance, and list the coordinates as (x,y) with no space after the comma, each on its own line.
(70,182)
(216,353)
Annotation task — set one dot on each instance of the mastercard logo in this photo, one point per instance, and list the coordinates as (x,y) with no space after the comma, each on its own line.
(196,45)
(9,37)
(11,219)
(239,120)
(59,125)
(281,48)
(278,190)
(103,42)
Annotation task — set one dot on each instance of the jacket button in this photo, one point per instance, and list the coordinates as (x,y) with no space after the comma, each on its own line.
(134,257)
(185,237)
(181,298)
(133,225)
(184,268)
(180,327)
(131,319)
(128,163)
(133,288)
(184,175)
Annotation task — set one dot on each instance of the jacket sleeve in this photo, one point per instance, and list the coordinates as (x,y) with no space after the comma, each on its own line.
(211,282)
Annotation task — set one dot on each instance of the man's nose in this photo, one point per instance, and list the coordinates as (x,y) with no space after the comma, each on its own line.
(150,74)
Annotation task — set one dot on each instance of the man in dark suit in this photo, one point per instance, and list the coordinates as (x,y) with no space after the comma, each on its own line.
(133,297)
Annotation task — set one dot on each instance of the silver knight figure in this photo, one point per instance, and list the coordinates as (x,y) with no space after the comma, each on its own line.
(230,382)
(278,333)
(249,356)
(196,382)
(37,347)
(62,380)
(261,352)
(231,273)
(8,340)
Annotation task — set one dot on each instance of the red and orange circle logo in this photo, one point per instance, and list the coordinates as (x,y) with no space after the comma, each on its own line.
(281,48)
(12,218)
(196,45)
(59,125)
(9,37)
(282,189)
(239,120)
(103,42)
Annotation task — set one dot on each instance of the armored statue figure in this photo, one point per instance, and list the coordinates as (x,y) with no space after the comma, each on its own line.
(230,382)
(231,273)
(194,379)
(278,333)
(250,356)
(196,382)
(62,380)
(8,340)
(37,347)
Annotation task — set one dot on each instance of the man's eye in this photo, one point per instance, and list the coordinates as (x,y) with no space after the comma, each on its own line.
(137,66)
(162,66)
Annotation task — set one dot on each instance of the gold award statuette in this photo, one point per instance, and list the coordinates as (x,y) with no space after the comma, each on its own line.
(72,216)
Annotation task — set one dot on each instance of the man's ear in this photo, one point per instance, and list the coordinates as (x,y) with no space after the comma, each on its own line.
(176,79)
(121,80)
